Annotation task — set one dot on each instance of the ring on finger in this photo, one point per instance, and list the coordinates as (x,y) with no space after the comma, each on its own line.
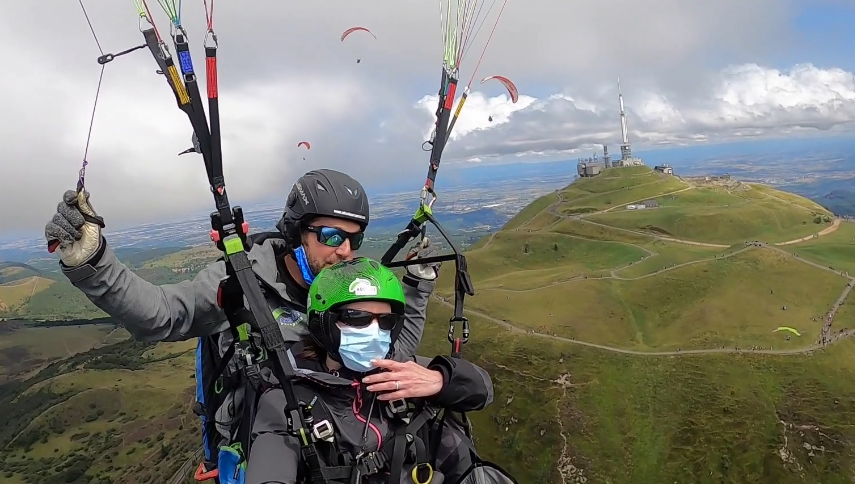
(397,386)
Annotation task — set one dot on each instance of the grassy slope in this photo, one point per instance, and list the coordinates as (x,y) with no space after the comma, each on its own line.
(48,299)
(119,419)
(14,294)
(836,250)
(735,301)
(711,418)
(714,215)
(506,253)
(706,419)
(184,258)
(23,349)
(626,419)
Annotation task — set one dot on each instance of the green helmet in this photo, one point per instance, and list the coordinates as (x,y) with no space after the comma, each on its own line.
(360,279)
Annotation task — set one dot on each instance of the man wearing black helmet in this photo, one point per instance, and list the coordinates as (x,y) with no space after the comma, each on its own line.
(323,223)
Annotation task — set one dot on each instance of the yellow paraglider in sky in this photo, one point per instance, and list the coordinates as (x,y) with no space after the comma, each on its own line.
(785,328)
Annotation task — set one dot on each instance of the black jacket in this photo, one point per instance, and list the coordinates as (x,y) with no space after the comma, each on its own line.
(343,401)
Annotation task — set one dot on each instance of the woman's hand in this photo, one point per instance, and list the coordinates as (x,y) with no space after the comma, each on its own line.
(403,380)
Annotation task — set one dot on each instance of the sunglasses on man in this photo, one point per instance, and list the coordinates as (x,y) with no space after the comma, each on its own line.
(334,237)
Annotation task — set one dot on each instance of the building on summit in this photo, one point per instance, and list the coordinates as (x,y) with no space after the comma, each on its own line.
(650,204)
(588,167)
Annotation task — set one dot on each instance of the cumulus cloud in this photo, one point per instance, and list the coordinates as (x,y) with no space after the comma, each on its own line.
(285,77)
(739,101)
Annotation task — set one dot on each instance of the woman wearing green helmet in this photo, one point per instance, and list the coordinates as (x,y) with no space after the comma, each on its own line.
(374,415)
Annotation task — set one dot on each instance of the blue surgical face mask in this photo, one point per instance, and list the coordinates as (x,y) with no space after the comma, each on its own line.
(361,345)
(303,264)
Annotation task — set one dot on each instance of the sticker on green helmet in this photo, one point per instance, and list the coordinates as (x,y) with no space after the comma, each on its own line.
(362,287)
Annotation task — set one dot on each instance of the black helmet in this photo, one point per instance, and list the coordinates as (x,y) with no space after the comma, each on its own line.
(322,193)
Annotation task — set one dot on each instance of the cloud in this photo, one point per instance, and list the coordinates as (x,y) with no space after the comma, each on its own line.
(743,101)
(285,76)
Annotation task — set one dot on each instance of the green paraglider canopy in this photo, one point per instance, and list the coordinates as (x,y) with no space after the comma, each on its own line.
(786,328)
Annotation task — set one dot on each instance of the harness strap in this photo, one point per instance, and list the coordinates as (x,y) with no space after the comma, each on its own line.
(218,372)
(396,468)
(391,455)
(250,404)
(245,283)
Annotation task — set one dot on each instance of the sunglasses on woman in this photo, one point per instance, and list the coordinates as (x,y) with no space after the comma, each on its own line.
(334,237)
(359,319)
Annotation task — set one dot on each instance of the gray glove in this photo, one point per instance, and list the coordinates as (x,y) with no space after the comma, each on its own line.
(420,250)
(75,229)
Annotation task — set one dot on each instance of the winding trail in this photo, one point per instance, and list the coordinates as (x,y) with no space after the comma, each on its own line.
(21,282)
(613,349)
(826,338)
(834,226)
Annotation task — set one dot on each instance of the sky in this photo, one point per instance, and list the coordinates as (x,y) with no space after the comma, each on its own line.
(692,73)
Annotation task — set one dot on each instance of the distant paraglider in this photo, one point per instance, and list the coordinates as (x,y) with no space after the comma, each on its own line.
(490,119)
(509,85)
(306,144)
(356,29)
(785,328)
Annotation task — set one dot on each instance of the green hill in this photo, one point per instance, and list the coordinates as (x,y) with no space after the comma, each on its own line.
(662,363)
(40,298)
(683,273)
(622,349)
(15,271)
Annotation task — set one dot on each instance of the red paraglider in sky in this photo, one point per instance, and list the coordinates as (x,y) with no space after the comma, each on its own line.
(355,29)
(512,89)
(306,144)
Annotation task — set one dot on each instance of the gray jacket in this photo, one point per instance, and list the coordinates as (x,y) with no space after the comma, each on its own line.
(274,456)
(188,309)
(182,311)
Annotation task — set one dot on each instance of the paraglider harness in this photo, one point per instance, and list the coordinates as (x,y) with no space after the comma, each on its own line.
(258,346)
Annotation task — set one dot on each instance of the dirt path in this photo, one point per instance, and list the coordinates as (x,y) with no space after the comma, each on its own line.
(515,329)
(612,274)
(834,226)
(802,207)
(551,208)
(641,200)
(552,211)
(581,218)
(21,282)
(826,337)
(654,236)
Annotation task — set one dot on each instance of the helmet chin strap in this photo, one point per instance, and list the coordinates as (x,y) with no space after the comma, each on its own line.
(303,264)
